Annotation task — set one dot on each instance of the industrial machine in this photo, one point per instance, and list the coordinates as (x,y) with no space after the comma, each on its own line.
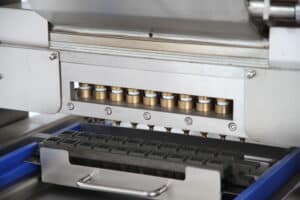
(150,99)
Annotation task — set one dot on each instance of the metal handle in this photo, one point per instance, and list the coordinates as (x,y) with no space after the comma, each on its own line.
(83,184)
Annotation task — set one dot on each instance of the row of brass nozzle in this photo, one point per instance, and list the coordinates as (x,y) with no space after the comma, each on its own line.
(166,100)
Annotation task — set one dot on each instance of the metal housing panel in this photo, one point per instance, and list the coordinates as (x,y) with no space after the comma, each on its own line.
(272,107)
(20,26)
(30,80)
(227,85)
(56,169)
(284,48)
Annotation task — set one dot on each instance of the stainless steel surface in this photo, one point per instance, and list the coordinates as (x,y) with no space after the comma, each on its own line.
(226,19)
(255,43)
(56,169)
(10,116)
(284,48)
(23,27)
(92,41)
(29,126)
(84,49)
(157,190)
(34,189)
(272,107)
(32,81)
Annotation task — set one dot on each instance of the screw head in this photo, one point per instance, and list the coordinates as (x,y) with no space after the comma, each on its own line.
(188,121)
(53,56)
(108,111)
(147,116)
(232,126)
(251,74)
(70,106)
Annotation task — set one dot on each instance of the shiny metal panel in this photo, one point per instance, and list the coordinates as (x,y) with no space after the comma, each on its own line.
(226,19)
(30,79)
(23,27)
(272,107)
(203,183)
(284,48)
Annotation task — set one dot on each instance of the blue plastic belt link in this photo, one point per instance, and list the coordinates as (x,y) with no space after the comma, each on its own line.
(274,179)
(12,165)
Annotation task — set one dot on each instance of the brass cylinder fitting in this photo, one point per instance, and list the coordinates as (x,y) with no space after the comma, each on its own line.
(133,96)
(116,94)
(185,102)
(85,91)
(204,104)
(222,107)
(150,98)
(167,100)
(100,92)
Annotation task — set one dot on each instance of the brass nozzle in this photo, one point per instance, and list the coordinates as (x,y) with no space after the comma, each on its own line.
(133,96)
(150,98)
(167,101)
(116,94)
(185,102)
(85,91)
(100,92)
(222,107)
(204,104)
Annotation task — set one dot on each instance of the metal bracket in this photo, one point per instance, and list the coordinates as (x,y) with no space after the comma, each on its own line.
(57,169)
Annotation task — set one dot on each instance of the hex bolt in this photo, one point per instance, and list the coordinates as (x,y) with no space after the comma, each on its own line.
(53,56)
(108,111)
(188,121)
(251,74)
(232,126)
(147,116)
(70,106)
